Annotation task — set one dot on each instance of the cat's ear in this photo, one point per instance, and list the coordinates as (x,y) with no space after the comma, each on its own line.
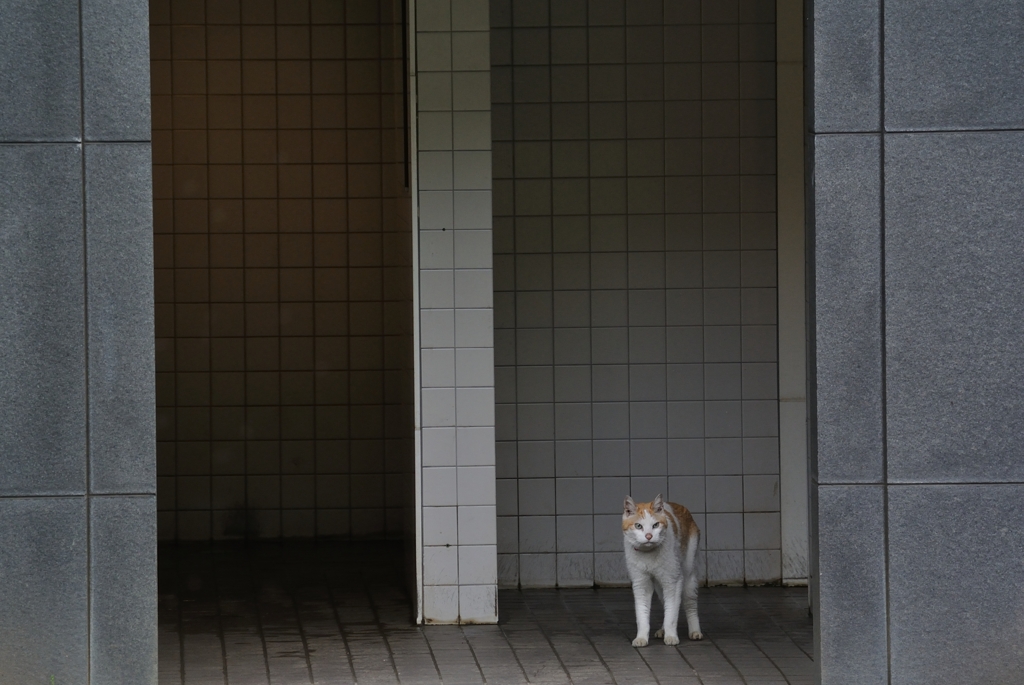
(628,507)
(658,505)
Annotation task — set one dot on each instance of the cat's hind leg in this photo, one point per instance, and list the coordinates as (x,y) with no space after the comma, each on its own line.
(643,589)
(660,594)
(690,589)
(673,595)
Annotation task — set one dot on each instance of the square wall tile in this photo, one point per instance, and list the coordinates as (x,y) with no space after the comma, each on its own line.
(477,525)
(123,592)
(476,446)
(762,566)
(440,603)
(47,540)
(440,526)
(574,533)
(439,486)
(478,565)
(475,406)
(610,569)
(439,446)
(441,565)
(724,532)
(575,570)
(474,367)
(761,530)
(916,68)
(848,318)
(961,350)
(120,278)
(725,567)
(852,582)
(537,570)
(478,603)
(115,71)
(42,266)
(41,48)
(476,485)
(980,520)
(508,570)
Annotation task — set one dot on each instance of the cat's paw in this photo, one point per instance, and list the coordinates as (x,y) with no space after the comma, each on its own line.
(671,639)
(660,632)
(640,642)
(696,635)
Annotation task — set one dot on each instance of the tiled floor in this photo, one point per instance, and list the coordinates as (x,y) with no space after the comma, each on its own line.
(273,614)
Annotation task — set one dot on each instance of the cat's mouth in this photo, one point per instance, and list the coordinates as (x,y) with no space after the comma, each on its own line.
(645,546)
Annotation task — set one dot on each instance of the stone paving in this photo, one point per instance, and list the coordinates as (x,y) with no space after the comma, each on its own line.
(290,614)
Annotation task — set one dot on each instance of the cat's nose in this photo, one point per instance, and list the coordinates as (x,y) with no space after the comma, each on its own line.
(650,535)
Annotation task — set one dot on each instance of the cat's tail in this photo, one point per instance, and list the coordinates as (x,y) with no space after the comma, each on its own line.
(690,585)
(692,543)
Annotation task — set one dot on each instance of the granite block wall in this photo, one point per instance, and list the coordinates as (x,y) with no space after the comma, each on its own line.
(635,307)
(77,456)
(283,254)
(915,245)
(456,345)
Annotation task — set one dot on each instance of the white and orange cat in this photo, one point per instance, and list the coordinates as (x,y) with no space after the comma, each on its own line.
(660,539)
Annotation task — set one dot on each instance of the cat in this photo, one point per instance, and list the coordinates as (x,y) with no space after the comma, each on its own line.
(660,539)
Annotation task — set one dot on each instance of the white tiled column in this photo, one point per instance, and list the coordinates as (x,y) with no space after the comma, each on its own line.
(455,311)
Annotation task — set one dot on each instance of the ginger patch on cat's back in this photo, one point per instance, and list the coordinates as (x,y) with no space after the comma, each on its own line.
(686,522)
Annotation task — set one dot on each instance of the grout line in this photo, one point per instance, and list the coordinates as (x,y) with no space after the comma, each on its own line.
(882,333)
(383,270)
(209,303)
(551,299)
(476,660)
(78,495)
(259,619)
(248,519)
(730,662)
(455,345)
(383,631)
(341,630)
(179,610)
(511,649)
(302,633)
(703,362)
(6,143)
(277,312)
(220,624)
(430,651)
(312,235)
(85,335)
(515,311)
(349,533)
(915,132)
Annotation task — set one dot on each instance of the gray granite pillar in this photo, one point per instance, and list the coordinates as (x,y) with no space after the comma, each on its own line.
(77,477)
(917,244)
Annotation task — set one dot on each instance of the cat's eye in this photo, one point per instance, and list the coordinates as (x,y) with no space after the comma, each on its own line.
(656,525)
(639,526)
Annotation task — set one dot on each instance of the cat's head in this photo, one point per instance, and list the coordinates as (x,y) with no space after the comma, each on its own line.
(644,525)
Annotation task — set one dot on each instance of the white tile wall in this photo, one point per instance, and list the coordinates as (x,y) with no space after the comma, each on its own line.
(456,320)
(282,252)
(634,281)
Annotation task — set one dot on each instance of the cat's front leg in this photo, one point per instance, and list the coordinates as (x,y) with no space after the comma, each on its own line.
(643,589)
